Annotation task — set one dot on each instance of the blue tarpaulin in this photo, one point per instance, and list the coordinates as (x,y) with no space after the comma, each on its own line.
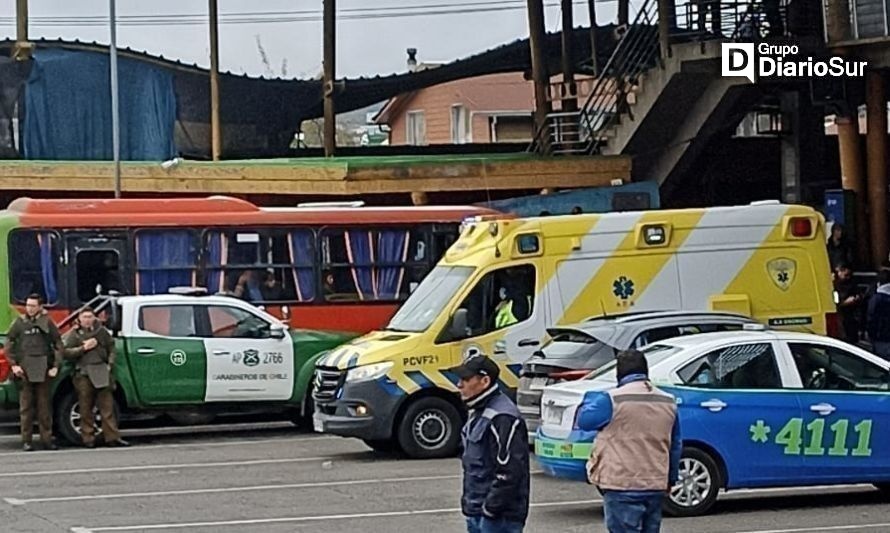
(68,108)
(629,197)
(164,259)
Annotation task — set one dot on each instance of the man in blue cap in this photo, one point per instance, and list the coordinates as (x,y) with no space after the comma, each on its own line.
(495,459)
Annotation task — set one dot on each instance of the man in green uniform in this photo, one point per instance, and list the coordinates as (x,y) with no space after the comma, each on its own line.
(91,347)
(34,349)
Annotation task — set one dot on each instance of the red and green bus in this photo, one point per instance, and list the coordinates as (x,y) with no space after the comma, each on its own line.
(340,268)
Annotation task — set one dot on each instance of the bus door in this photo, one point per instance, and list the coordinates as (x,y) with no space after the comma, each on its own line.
(97,263)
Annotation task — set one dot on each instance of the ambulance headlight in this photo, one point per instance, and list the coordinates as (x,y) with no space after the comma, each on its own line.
(368,372)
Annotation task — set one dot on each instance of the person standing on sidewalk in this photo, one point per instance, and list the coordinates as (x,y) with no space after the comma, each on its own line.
(34,348)
(636,455)
(91,347)
(495,458)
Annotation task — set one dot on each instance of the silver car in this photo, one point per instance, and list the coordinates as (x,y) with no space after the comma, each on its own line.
(574,351)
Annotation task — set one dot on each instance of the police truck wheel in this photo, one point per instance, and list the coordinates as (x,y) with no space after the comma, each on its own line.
(430,428)
(700,482)
(67,415)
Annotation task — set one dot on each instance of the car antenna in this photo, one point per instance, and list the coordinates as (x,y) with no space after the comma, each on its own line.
(603,308)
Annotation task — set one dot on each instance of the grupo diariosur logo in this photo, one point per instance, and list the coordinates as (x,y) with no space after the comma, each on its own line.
(783,61)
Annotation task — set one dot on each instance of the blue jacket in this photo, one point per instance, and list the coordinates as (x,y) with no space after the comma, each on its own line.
(596,414)
(878,324)
(495,460)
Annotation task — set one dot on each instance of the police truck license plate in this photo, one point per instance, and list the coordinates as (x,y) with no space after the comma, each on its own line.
(317,423)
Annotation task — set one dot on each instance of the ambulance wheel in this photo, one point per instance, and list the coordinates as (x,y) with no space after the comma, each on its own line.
(700,482)
(67,415)
(429,428)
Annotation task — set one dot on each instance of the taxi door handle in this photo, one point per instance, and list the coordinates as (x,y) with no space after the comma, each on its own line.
(823,409)
(145,351)
(715,406)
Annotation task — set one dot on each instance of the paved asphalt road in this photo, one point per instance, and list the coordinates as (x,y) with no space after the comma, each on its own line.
(272,478)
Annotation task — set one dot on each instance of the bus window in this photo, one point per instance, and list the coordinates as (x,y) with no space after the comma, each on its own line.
(372,264)
(33,265)
(266,266)
(97,271)
(165,259)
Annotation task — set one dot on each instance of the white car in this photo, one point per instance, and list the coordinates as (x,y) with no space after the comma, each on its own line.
(757,409)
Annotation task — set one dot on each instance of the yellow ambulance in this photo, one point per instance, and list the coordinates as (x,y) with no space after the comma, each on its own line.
(506,280)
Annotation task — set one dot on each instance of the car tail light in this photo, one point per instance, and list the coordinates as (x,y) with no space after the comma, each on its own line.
(801,227)
(569,375)
(833,325)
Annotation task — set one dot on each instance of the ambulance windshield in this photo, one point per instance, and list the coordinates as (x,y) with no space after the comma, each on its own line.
(429,299)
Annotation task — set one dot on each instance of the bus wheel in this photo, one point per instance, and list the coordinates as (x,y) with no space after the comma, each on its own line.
(430,428)
(68,418)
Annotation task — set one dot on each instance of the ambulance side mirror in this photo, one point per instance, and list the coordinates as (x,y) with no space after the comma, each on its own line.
(459,324)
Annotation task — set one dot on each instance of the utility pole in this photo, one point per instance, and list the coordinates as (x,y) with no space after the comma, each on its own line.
(539,63)
(330,77)
(115,104)
(22,50)
(215,129)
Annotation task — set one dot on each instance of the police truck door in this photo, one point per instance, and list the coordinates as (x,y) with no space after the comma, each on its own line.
(247,357)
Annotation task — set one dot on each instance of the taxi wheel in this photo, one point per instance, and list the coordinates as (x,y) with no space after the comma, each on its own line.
(700,482)
(430,428)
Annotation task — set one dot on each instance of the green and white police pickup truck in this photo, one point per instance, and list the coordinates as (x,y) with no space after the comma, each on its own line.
(193,356)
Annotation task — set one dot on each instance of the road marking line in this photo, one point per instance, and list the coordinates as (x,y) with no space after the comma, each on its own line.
(170,466)
(819,528)
(303,519)
(254,488)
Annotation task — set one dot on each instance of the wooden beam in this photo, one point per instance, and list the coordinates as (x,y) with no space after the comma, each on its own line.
(540,75)
(22,49)
(330,76)
(215,128)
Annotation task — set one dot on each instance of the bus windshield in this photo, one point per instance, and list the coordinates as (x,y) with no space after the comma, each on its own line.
(430,297)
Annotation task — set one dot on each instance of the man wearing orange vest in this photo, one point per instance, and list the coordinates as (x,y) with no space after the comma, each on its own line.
(636,455)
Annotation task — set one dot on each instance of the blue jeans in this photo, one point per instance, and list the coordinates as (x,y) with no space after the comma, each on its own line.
(633,512)
(481,524)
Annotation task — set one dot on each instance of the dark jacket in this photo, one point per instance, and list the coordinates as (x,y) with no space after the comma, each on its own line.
(879,315)
(35,344)
(839,254)
(495,460)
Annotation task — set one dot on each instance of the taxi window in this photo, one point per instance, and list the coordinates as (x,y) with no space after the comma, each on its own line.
(828,368)
(744,366)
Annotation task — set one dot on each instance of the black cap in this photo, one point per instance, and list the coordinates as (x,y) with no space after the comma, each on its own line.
(478,365)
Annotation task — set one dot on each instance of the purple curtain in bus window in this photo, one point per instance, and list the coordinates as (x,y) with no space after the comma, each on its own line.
(392,249)
(215,262)
(164,259)
(301,255)
(361,255)
(48,268)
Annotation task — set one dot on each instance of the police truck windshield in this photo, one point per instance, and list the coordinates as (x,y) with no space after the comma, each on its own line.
(430,297)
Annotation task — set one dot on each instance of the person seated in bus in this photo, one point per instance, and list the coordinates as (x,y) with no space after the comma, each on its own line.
(271,289)
(248,287)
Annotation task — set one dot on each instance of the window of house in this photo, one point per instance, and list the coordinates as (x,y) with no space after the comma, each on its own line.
(262,266)
(366,264)
(743,366)
(416,128)
(34,265)
(824,367)
(461,131)
(500,299)
(164,259)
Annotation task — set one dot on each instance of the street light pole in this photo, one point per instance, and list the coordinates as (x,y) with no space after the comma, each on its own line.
(115,108)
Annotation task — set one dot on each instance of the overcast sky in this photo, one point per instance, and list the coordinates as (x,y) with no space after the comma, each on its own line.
(366,46)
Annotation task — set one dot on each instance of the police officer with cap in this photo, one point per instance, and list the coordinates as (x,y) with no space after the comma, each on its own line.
(495,458)
(34,347)
(91,347)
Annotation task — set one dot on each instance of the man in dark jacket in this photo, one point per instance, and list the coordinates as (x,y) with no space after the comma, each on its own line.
(879,316)
(495,459)
(849,302)
(34,348)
